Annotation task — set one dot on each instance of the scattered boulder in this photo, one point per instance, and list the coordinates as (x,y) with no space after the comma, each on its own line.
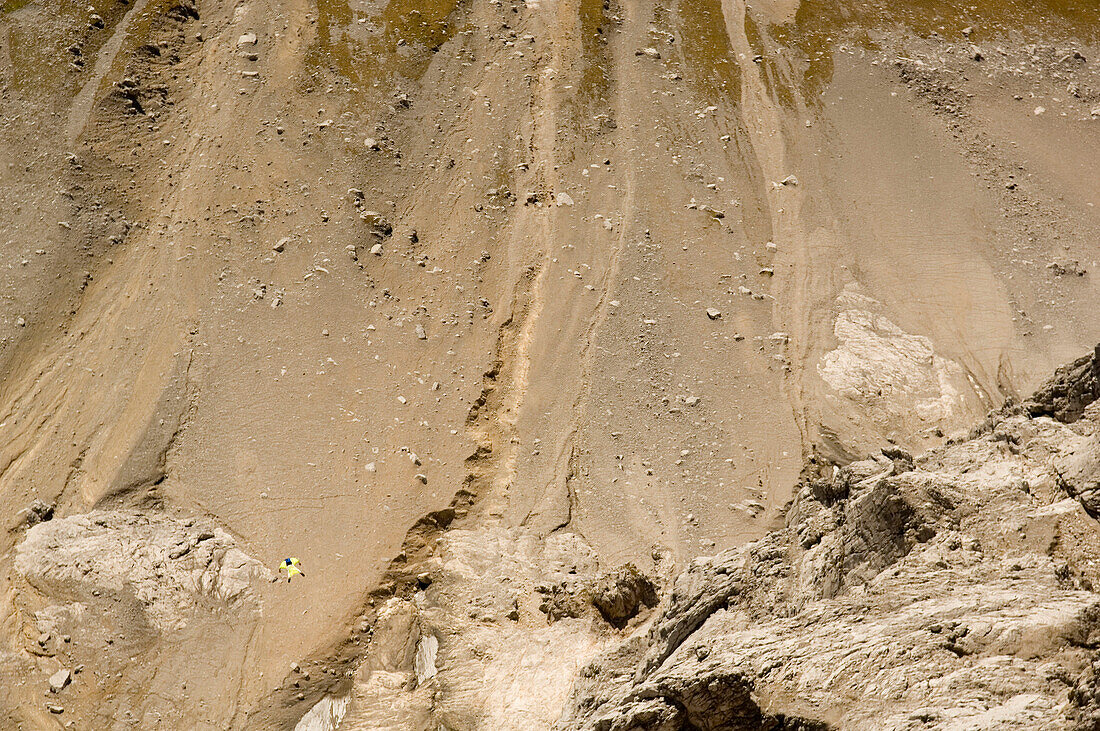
(1063,268)
(379,226)
(37,512)
(60,679)
(621,594)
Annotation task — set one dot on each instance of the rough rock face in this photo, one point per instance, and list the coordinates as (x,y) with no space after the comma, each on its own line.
(950,591)
(1072,388)
(895,377)
(170,567)
(622,593)
(494,637)
(129,615)
(953,592)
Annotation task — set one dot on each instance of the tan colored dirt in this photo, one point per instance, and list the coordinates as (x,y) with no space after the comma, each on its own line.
(312,272)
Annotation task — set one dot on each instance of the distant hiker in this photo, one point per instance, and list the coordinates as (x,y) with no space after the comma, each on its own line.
(293,568)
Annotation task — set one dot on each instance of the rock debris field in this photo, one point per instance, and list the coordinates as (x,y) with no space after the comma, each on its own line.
(687,365)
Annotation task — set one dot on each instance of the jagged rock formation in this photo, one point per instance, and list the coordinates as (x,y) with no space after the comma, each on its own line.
(622,594)
(954,591)
(1073,387)
(103,591)
(168,568)
(486,642)
(430,294)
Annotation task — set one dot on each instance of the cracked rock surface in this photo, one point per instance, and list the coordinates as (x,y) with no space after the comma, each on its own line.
(169,567)
(955,591)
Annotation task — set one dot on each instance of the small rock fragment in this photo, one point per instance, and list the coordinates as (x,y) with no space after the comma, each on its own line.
(60,679)
(714,313)
(38,512)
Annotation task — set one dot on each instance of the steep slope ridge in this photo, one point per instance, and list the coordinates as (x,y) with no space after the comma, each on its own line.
(954,592)
(634,264)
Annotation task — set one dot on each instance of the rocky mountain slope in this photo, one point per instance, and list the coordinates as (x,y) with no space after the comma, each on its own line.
(956,590)
(472,305)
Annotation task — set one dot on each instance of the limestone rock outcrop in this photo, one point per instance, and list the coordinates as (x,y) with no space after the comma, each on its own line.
(169,567)
(955,591)
(1072,388)
(130,614)
(948,591)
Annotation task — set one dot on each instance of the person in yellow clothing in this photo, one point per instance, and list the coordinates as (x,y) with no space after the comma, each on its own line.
(293,568)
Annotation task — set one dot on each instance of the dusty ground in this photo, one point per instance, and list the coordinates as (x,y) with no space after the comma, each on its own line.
(308,271)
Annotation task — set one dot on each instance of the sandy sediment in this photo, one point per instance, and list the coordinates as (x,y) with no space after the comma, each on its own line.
(353,282)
